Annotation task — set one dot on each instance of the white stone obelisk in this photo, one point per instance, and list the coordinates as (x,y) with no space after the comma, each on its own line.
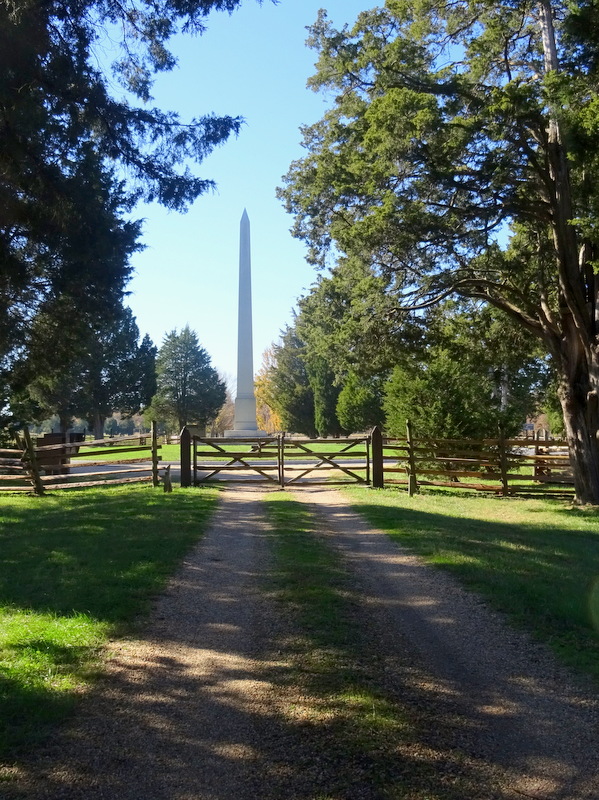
(245,402)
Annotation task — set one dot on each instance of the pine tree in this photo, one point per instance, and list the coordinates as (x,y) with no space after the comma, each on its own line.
(189,390)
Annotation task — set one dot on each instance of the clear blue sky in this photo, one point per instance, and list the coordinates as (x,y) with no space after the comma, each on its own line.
(255,64)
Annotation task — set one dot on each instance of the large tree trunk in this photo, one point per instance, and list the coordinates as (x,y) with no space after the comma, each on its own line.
(98,423)
(575,348)
(580,409)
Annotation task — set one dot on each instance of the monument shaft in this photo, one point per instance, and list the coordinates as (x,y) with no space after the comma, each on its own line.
(245,401)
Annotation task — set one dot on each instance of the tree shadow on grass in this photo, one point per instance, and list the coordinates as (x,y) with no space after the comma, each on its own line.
(74,568)
(100,553)
(28,712)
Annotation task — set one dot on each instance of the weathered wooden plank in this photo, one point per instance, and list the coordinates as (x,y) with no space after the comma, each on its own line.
(100,444)
(547,457)
(32,465)
(155,456)
(339,456)
(302,467)
(245,481)
(222,442)
(85,484)
(328,482)
(219,467)
(331,440)
(111,462)
(232,454)
(118,451)
(47,479)
(452,473)
(483,462)
(447,454)
(479,487)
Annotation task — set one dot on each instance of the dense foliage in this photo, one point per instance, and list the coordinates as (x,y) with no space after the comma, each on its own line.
(75,158)
(101,369)
(189,390)
(461,156)
(285,386)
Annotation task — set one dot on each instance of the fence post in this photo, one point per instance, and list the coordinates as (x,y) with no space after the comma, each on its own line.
(412,482)
(155,480)
(281,456)
(185,450)
(38,486)
(376,444)
(503,464)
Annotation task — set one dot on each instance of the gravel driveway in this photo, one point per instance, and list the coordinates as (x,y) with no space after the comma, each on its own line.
(192,709)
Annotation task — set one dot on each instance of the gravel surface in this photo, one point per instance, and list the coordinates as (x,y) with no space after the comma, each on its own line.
(198,707)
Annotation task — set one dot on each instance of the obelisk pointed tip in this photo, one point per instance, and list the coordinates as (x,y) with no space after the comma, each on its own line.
(244,216)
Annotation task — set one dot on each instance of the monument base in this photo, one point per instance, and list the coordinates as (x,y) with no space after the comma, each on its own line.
(245,434)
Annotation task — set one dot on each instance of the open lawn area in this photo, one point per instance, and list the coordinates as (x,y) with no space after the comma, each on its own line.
(75,569)
(535,560)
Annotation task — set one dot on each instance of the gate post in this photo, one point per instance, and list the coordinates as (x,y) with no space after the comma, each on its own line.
(155,479)
(32,464)
(412,480)
(185,449)
(376,443)
(281,457)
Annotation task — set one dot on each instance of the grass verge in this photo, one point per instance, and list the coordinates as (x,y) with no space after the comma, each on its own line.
(535,560)
(370,743)
(76,568)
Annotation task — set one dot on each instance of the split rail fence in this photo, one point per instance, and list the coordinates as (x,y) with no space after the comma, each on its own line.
(503,466)
(33,467)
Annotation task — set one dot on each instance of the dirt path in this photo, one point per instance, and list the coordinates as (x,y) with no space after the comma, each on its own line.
(507,700)
(194,710)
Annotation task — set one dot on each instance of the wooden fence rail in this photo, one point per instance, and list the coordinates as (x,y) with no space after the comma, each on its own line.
(503,466)
(47,467)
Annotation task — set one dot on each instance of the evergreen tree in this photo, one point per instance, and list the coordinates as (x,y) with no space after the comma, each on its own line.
(118,372)
(473,373)
(189,389)
(325,393)
(455,123)
(100,370)
(65,136)
(359,406)
(289,392)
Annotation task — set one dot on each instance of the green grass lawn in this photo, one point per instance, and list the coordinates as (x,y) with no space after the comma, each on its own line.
(535,560)
(76,568)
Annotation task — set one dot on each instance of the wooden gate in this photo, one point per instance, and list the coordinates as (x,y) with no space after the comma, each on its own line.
(280,460)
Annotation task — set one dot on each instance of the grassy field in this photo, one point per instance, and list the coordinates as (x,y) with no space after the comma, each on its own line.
(75,569)
(535,560)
